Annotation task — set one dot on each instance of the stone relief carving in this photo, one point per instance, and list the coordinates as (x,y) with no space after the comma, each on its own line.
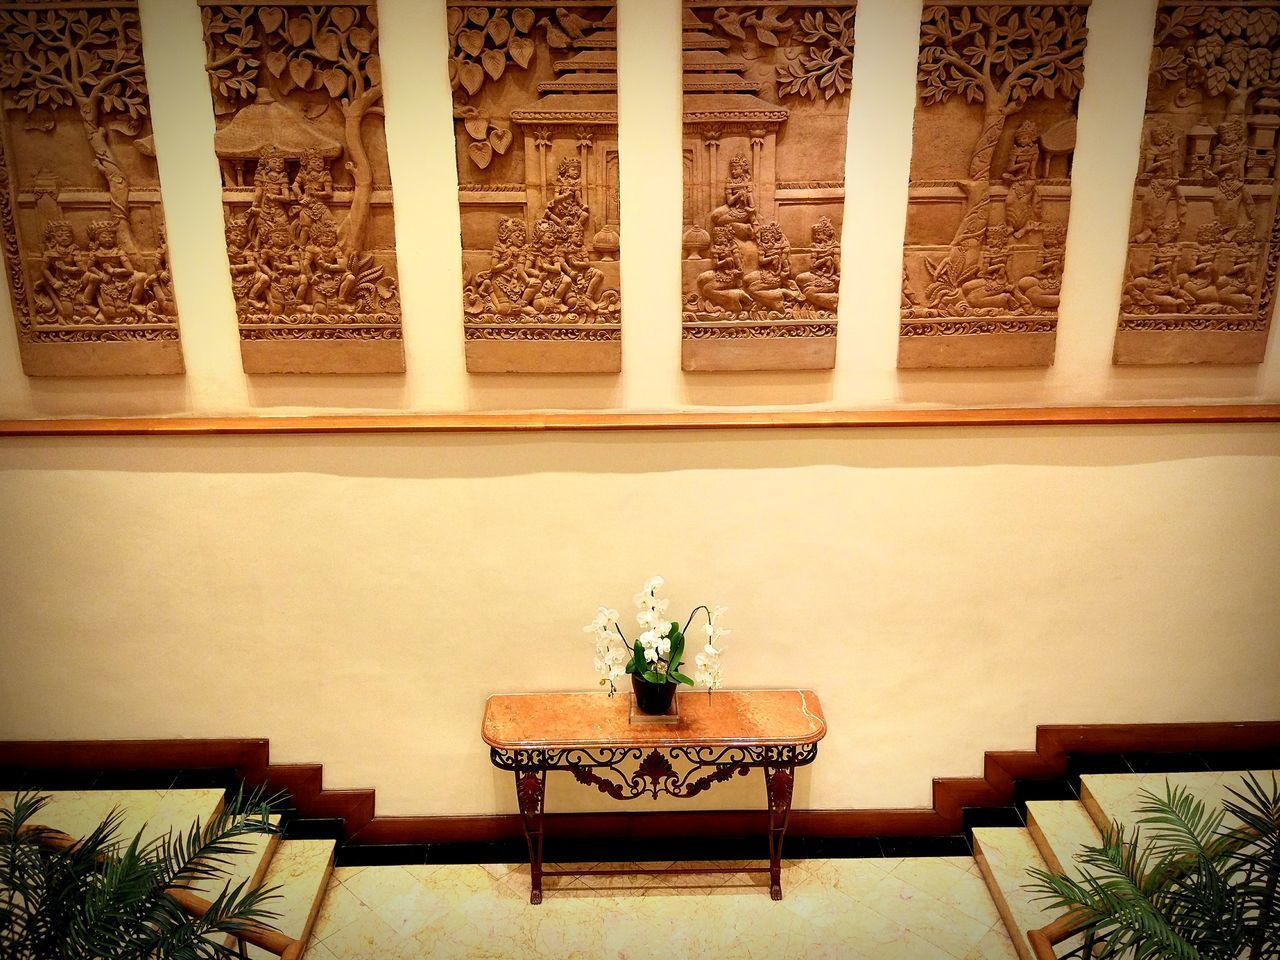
(84,240)
(306,187)
(998,84)
(1200,280)
(535,91)
(766,99)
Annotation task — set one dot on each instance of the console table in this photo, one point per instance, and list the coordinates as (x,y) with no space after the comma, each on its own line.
(715,738)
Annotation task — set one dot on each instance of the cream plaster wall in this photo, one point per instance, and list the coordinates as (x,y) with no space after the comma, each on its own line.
(356,598)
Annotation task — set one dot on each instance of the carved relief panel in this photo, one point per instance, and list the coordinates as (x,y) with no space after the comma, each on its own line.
(998,85)
(766,104)
(84,235)
(306,187)
(1200,280)
(535,106)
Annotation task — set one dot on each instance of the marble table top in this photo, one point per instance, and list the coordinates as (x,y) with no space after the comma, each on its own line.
(541,721)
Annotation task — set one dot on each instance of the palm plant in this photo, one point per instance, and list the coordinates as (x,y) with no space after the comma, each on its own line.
(1190,888)
(102,897)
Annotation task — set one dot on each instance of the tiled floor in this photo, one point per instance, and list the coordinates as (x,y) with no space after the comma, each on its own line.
(913,909)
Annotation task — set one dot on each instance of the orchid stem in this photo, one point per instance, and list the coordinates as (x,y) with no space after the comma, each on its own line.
(694,613)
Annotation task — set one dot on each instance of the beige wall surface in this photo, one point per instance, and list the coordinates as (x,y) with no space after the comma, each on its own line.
(355,599)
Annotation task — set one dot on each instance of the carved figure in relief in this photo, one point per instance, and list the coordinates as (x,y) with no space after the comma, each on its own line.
(1162,155)
(160,282)
(739,210)
(820,284)
(326,277)
(1233,207)
(314,178)
(566,208)
(280,271)
(111,283)
(272,192)
(582,281)
(771,284)
(61,273)
(1161,211)
(1040,291)
(1024,158)
(990,288)
(244,263)
(1022,202)
(1159,290)
(1231,152)
(723,285)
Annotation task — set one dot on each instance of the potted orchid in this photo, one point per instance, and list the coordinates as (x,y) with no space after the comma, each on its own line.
(656,655)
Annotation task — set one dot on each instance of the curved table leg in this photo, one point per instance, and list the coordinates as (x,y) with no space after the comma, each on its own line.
(531,785)
(778,781)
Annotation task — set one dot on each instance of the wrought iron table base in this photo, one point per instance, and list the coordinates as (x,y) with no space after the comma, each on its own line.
(655,775)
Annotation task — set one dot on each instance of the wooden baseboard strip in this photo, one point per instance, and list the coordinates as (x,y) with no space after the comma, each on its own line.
(250,759)
(683,420)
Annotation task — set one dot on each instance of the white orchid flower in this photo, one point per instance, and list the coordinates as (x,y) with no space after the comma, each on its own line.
(653,585)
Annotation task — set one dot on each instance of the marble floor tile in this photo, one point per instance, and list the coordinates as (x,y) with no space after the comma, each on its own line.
(900,909)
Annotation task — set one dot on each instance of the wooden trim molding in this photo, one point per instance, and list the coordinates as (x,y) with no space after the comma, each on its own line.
(547,422)
(250,759)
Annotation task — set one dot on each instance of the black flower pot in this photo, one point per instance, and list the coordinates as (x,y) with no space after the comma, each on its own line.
(653,698)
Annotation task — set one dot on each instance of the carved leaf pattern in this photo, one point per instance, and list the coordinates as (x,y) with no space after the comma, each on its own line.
(303,48)
(483,43)
(1001,54)
(93,60)
(825,64)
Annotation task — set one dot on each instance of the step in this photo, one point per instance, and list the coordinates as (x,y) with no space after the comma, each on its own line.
(249,867)
(154,812)
(300,868)
(1061,829)
(1116,796)
(1004,856)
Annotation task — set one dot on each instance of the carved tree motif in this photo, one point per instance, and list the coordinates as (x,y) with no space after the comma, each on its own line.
(984,246)
(1000,57)
(1205,236)
(89,60)
(1227,50)
(91,286)
(330,50)
(825,63)
(297,90)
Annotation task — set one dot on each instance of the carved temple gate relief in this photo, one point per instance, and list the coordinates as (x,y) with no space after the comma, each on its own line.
(766,104)
(84,235)
(535,106)
(1200,281)
(306,187)
(997,89)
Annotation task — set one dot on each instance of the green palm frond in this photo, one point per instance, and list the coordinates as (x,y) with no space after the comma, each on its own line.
(1189,887)
(106,899)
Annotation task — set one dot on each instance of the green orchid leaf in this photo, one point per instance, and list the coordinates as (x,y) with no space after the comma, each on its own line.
(680,678)
(676,654)
(653,677)
(637,659)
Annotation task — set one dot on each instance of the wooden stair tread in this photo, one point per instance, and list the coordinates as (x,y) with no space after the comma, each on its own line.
(301,869)
(1061,829)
